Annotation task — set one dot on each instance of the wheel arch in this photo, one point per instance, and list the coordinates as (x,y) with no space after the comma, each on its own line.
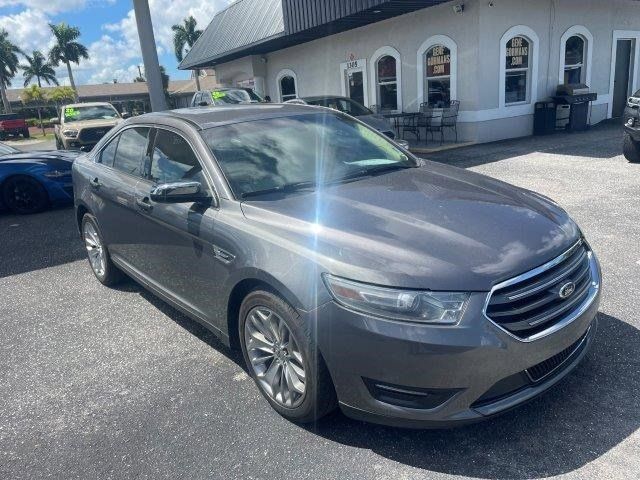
(253,280)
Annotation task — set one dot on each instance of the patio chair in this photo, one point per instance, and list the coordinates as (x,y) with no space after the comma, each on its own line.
(375,109)
(447,120)
(426,118)
(410,124)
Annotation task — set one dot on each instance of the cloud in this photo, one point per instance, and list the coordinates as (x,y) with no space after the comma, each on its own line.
(54,6)
(28,29)
(164,14)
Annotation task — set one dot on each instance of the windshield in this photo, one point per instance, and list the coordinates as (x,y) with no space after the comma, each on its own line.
(234,96)
(344,105)
(6,149)
(310,149)
(96,112)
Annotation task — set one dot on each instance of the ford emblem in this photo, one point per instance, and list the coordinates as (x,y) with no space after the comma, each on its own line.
(567,290)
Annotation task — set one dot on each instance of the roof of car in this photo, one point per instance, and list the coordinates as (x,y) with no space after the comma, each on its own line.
(87,104)
(323,97)
(212,116)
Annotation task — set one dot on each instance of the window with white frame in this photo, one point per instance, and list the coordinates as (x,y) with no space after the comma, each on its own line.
(574,60)
(387,83)
(437,82)
(287,86)
(517,70)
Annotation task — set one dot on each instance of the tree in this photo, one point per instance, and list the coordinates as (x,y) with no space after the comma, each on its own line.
(62,95)
(35,94)
(38,67)
(67,50)
(185,36)
(139,80)
(8,66)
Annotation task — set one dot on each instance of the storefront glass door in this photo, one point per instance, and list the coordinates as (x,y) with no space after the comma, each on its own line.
(355,85)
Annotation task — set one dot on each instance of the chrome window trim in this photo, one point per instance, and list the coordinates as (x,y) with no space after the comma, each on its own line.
(569,318)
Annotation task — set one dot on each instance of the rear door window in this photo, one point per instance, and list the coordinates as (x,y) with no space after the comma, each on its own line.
(108,153)
(132,148)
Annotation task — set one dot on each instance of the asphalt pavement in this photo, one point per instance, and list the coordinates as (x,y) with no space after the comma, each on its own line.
(113,383)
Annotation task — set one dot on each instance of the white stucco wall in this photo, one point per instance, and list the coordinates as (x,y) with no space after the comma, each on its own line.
(477,34)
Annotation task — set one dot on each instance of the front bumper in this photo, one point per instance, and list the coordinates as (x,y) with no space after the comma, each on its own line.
(463,373)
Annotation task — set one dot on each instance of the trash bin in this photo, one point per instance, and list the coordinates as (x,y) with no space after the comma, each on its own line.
(544,119)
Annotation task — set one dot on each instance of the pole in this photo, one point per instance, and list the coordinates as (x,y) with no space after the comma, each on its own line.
(149,55)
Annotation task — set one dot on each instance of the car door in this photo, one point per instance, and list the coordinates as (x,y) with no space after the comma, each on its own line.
(178,252)
(113,187)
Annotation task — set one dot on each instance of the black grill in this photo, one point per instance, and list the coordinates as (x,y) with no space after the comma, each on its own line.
(543,369)
(534,303)
(88,135)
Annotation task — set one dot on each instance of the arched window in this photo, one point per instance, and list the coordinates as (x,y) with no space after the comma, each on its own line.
(387,83)
(386,79)
(575,55)
(437,71)
(517,70)
(287,85)
(438,78)
(574,67)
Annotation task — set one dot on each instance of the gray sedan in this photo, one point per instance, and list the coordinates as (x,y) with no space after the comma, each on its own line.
(347,271)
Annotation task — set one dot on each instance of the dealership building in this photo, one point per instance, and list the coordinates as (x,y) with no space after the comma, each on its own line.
(496,57)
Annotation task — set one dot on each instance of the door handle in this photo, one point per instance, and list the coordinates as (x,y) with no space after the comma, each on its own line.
(144,204)
(95,183)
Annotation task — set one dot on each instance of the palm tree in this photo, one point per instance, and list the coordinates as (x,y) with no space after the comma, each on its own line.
(8,66)
(67,50)
(35,94)
(38,67)
(186,35)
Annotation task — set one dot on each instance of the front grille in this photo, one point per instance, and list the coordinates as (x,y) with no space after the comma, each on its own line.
(94,134)
(544,369)
(533,302)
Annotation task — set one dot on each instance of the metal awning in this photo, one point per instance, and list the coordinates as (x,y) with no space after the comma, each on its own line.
(255,27)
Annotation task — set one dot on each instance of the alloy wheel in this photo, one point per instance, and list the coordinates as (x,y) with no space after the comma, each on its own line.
(95,249)
(275,357)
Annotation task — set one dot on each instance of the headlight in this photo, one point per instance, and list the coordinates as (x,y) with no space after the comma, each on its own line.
(70,133)
(441,308)
(57,173)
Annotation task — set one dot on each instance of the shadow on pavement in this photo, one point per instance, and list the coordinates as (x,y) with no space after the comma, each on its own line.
(33,242)
(600,142)
(595,408)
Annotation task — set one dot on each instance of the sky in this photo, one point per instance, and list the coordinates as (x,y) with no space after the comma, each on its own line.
(108,30)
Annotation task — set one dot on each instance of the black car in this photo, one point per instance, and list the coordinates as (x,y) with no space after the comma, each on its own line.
(631,118)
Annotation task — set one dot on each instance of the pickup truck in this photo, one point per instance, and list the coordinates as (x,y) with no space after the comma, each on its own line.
(631,119)
(12,124)
(81,125)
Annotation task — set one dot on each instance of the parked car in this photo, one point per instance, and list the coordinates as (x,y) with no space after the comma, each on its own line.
(355,109)
(631,118)
(81,125)
(13,124)
(225,96)
(31,181)
(346,270)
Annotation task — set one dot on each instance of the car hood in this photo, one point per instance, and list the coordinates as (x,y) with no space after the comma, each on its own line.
(434,227)
(92,123)
(377,122)
(57,158)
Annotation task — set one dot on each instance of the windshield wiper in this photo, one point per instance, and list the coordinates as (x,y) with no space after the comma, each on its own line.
(369,172)
(287,187)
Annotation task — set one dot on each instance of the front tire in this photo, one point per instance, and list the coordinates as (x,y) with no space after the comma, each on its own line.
(282,357)
(24,195)
(99,259)
(631,149)
(25,133)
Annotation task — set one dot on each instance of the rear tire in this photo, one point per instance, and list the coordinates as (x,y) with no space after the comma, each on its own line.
(24,195)
(59,144)
(25,133)
(631,149)
(295,360)
(99,259)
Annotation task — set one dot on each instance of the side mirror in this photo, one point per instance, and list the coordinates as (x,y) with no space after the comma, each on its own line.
(178,192)
(125,115)
(202,104)
(54,121)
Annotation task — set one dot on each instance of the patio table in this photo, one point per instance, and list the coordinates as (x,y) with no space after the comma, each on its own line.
(395,118)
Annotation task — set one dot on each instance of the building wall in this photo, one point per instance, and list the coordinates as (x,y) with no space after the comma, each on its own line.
(477,34)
